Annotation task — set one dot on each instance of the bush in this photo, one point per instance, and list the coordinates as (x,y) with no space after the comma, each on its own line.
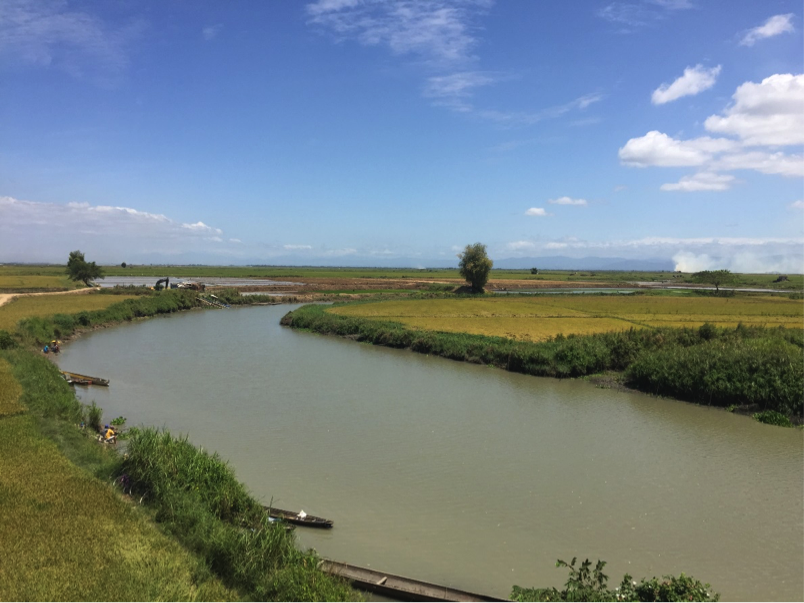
(771,417)
(94,416)
(586,583)
(6,340)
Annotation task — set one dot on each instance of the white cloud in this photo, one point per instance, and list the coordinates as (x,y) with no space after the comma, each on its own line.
(453,90)
(340,252)
(521,245)
(46,33)
(797,204)
(778,24)
(211,32)
(567,201)
(768,113)
(702,181)
(741,261)
(202,228)
(297,247)
(556,245)
(762,161)
(35,231)
(695,80)
(235,241)
(658,149)
(536,211)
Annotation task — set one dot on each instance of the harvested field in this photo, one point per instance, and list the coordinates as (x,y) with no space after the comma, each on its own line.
(47,305)
(543,317)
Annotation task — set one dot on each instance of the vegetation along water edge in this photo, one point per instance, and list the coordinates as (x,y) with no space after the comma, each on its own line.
(750,368)
(188,497)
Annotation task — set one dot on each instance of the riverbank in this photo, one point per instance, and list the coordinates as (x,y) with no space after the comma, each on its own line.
(65,514)
(755,369)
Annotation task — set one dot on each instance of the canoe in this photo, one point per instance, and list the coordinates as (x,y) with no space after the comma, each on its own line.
(84,379)
(398,587)
(311,521)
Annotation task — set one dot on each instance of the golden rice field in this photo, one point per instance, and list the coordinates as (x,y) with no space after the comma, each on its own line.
(10,283)
(10,391)
(542,317)
(47,305)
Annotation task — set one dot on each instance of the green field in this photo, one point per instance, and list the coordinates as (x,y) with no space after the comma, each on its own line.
(539,318)
(47,305)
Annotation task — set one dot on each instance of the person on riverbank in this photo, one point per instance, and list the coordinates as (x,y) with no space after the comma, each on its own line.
(110,436)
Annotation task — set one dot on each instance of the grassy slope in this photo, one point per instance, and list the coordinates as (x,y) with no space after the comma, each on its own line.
(67,536)
(77,539)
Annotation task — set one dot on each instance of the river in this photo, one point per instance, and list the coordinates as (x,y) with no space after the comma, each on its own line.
(462,474)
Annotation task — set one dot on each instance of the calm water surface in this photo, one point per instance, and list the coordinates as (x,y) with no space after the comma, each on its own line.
(462,474)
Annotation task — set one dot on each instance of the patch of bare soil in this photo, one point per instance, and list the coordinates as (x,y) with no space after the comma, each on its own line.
(7,297)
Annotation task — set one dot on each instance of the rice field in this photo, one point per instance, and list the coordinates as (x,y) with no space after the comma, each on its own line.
(543,317)
(47,305)
(22,282)
(67,536)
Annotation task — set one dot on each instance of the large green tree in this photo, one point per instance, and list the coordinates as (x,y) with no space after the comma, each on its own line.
(80,270)
(713,277)
(475,266)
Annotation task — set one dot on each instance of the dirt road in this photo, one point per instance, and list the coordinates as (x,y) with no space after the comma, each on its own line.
(7,297)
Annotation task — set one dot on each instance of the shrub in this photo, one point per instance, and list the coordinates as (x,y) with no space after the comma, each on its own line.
(6,340)
(771,417)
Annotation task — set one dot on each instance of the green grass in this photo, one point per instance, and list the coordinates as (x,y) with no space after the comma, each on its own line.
(23,307)
(66,535)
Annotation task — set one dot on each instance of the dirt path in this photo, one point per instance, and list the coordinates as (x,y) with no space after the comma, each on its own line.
(7,297)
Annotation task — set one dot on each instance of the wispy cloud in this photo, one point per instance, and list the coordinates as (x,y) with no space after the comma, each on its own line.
(514,118)
(702,181)
(797,204)
(211,32)
(695,80)
(442,36)
(47,33)
(778,24)
(567,201)
(630,16)
(296,247)
(439,32)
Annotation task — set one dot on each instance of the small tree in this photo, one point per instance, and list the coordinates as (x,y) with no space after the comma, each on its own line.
(80,270)
(534,271)
(123,265)
(713,277)
(475,266)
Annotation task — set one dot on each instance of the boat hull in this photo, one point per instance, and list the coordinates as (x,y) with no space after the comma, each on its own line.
(398,587)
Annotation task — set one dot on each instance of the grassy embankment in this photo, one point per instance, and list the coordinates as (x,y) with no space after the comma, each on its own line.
(756,368)
(68,535)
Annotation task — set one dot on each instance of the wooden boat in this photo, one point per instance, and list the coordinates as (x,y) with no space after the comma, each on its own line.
(398,587)
(300,519)
(75,378)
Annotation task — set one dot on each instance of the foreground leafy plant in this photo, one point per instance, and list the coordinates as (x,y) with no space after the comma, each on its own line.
(587,583)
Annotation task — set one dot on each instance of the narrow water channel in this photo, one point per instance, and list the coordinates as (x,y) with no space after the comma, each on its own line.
(461,474)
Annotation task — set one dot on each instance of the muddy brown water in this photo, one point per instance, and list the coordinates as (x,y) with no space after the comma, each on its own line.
(461,474)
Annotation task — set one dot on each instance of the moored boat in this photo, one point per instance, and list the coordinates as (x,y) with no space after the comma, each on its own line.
(75,378)
(301,518)
(398,587)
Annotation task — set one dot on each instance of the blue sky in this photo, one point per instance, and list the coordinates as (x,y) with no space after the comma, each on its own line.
(363,132)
